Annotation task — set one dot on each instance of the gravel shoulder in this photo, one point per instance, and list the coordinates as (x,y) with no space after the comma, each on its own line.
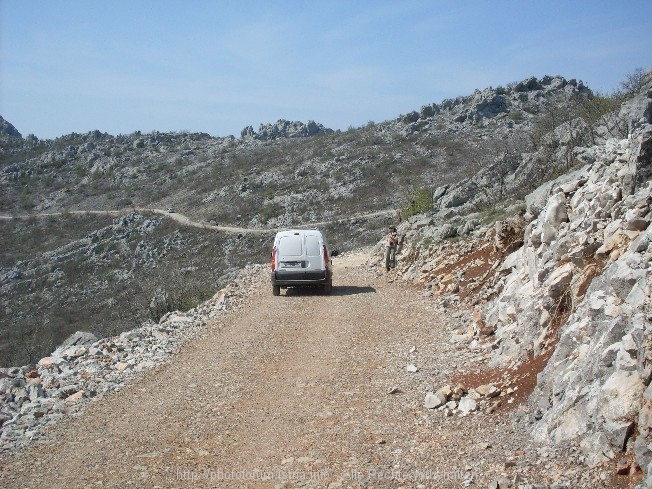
(302,390)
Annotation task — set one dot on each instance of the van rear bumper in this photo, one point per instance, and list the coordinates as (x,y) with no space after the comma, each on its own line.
(288,278)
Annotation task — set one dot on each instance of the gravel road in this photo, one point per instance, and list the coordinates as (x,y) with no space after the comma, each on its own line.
(302,390)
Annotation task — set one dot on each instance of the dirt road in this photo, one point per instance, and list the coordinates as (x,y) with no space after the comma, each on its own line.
(187,221)
(302,390)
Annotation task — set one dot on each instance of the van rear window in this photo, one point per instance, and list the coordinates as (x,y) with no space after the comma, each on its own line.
(290,245)
(312,245)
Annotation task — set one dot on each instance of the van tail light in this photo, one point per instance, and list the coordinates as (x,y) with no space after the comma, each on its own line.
(327,258)
(274,259)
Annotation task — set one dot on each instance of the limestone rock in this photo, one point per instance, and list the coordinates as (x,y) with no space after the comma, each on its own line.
(467,405)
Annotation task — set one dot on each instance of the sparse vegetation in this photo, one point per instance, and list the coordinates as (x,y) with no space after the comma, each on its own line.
(516,115)
(108,276)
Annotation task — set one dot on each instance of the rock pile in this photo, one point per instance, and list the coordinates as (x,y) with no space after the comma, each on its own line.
(459,399)
(33,397)
(579,287)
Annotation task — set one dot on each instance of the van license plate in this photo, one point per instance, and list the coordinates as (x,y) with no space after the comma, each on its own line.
(292,264)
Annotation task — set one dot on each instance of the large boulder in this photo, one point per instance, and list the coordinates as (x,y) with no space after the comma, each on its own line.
(79,338)
(493,106)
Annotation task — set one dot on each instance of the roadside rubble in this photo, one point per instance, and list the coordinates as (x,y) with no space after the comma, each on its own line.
(84,368)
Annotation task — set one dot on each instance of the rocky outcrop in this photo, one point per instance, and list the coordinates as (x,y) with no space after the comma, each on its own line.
(565,292)
(8,130)
(494,102)
(579,292)
(284,129)
(518,165)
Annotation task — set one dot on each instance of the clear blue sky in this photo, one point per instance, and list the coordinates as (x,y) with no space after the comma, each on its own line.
(217,66)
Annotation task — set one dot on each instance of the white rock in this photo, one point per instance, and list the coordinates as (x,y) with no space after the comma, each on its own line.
(559,280)
(624,361)
(467,405)
(596,448)
(570,424)
(433,400)
(619,394)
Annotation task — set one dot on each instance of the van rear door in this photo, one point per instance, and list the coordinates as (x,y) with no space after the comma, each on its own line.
(291,255)
(313,250)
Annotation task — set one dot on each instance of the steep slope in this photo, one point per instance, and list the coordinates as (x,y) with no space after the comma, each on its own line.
(559,295)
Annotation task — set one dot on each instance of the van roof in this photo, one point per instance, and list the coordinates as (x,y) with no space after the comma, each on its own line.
(299,231)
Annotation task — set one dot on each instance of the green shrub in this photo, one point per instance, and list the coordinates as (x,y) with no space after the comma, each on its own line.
(493,214)
(420,202)
(516,115)
(80,170)
(269,211)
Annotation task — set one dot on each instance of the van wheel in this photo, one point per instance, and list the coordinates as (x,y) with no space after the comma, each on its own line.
(276,290)
(328,288)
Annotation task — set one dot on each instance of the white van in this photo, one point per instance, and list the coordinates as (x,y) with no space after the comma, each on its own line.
(301,257)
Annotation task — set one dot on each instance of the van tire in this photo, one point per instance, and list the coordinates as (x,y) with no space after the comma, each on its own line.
(276,290)
(328,287)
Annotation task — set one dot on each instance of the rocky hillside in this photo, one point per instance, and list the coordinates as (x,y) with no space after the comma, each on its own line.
(8,131)
(292,173)
(557,297)
(102,274)
(105,274)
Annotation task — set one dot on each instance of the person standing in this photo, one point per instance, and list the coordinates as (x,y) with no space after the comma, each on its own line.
(390,251)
